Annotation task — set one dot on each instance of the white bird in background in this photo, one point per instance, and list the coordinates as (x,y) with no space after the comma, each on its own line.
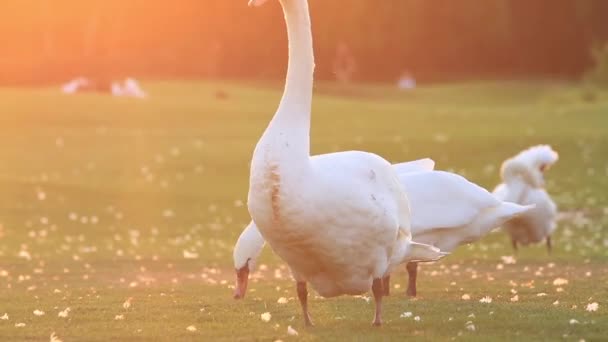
(523,183)
(128,88)
(74,85)
(447,211)
(116,89)
(132,88)
(340,221)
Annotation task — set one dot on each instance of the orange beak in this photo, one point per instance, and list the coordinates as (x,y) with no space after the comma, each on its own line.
(242,277)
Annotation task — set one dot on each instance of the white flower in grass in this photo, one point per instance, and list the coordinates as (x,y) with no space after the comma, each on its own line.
(38,312)
(508,259)
(190,255)
(119,317)
(406,315)
(592,307)
(514,298)
(64,313)
(282,300)
(291,331)
(54,338)
(417,318)
(191,328)
(486,300)
(466,297)
(25,254)
(4,317)
(574,321)
(470,326)
(560,282)
(127,304)
(266,316)
(19,325)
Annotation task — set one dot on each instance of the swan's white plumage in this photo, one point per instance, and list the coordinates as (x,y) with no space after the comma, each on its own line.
(426,164)
(446,209)
(339,249)
(523,183)
(337,218)
(444,199)
(248,247)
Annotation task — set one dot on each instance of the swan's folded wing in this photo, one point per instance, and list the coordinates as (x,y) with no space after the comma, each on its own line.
(426,164)
(441,199)
(501,191)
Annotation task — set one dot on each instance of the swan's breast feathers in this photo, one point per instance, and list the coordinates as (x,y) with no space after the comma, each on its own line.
(274,183)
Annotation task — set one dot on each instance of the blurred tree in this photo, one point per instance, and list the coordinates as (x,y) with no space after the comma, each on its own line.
(50,40)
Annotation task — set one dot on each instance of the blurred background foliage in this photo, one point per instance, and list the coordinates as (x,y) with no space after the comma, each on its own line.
(49,40)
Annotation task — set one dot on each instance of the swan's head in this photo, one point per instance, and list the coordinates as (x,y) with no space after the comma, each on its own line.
(242,279)
(256,3)
(246,252)
(532,163)
(538,158)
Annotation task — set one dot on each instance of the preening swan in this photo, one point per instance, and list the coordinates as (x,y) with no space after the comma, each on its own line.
(447,211)
(341,220)
(523,183)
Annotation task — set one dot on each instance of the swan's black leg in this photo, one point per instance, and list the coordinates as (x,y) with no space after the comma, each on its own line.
(412,273)
(386,285)
(378,290)
(303,297)
(549,247)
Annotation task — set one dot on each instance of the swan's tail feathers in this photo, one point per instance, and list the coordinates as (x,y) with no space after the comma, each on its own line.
(497,216)
(420,165)
(508,210)
(420,252)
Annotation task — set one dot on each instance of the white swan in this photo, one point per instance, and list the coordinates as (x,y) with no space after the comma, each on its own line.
(340,220)
(447,211)
(523,183)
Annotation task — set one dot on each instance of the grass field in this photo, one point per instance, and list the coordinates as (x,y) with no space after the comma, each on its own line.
(106,201)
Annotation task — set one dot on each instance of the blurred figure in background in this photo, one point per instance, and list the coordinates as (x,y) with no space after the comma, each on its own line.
(344,65)
(406,81)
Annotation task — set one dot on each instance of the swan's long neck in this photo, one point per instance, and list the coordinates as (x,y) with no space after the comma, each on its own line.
(248,247)
(291,123)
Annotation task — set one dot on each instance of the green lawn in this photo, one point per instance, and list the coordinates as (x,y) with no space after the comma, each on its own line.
(102,198)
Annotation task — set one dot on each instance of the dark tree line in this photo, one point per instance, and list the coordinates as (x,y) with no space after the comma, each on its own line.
(50,40)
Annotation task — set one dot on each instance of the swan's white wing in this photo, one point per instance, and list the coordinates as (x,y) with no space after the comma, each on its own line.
(501,191)
(441,199)
(426,164)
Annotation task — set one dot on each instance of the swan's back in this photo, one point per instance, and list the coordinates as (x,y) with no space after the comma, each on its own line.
(441,199)
(448,210)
